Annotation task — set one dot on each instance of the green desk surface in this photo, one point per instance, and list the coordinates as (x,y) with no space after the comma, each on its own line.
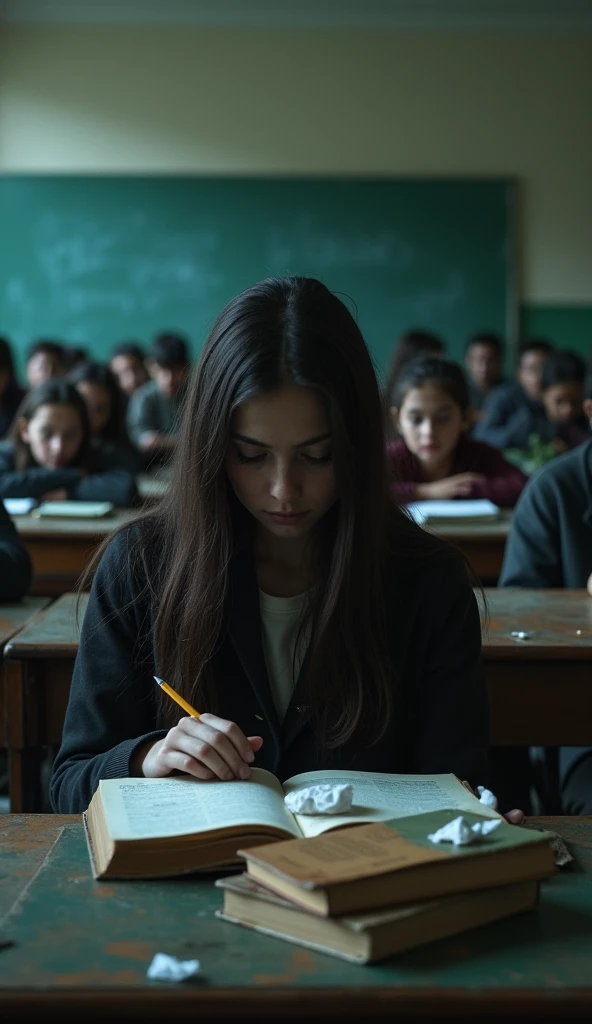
(54,633)
(80,945)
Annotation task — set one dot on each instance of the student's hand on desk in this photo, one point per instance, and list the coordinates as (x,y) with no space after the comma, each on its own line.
(458,486)
(207,747)
(59,494)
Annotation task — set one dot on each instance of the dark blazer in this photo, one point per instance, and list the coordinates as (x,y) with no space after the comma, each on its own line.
(103,483)
(550,542)
(15,565)
(503,483)
(11,399)
(440,723)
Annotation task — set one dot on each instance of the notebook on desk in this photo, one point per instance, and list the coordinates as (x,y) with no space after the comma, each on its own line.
(74,509)
(457,512)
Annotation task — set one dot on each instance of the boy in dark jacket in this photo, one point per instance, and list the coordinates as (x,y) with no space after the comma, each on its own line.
(550,545)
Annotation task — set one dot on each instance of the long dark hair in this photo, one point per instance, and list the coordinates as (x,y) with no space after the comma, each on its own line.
(291,330)
(95,373)
(53,392)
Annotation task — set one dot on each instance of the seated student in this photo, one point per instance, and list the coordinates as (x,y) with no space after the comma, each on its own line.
(562,390)
(435,457)
(153,413)
(128,365)
(279,510)
(483,360)
(45,360)
(411,345)
(11,394)
(49,456)
(513,412)
(550,545)
(74,355)
(15,565)
(104,404)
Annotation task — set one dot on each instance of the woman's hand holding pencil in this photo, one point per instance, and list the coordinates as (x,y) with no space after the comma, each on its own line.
(204,746)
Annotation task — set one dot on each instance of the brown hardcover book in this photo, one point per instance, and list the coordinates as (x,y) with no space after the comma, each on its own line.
(364,938)
(395,862)
(150,828)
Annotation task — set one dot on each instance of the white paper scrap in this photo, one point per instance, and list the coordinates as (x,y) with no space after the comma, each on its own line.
(321,799)
(460,833)
(169,968)
(486,797)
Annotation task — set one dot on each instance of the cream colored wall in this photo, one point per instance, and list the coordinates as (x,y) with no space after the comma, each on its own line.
(123,99)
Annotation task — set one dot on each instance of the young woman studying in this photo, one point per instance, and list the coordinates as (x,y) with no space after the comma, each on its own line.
(435,457)
(48,454)
(277,587)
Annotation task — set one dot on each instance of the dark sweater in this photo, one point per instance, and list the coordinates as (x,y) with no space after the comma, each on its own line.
(503,485)
(103,483)
(550,542)
(510,417)
(15,564)
(440,723)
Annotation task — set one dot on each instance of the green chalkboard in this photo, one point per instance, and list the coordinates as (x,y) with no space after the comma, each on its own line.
(94,260)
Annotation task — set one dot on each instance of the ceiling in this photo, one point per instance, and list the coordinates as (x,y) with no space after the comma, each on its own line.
(451,15)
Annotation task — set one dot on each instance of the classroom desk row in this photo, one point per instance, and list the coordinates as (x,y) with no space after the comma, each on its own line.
(61,549)
(79,949)
(540,689)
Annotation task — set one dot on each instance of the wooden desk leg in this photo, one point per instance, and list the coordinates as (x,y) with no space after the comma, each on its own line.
(24,761)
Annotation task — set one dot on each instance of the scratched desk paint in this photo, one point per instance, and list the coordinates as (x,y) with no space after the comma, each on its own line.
(61,549)
(38,665)
(540,688)
(81,945)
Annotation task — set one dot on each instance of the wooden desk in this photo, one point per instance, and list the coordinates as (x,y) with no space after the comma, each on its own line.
(38,665)
(62,548)
(540,689)
(483,546)
(83,947)
(13,616)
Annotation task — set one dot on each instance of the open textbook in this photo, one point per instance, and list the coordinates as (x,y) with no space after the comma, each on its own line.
(148,828)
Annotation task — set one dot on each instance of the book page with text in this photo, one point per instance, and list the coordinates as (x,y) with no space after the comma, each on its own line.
(150,808)
(378,797)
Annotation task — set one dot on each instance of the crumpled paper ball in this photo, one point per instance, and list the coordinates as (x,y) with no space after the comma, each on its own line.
(460,833)
(323,798)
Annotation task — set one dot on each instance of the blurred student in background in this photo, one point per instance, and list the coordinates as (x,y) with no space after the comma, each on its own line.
(48,455)
(154,410)
(74,355)
(562,392)
(434,457)
(483,360)
(128,364)
(411,345)
(45,360)
(514,411)
(550,545)
(105,407)
(11,394)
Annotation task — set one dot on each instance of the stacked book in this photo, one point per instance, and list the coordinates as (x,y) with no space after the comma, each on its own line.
(371,891)
(364,884)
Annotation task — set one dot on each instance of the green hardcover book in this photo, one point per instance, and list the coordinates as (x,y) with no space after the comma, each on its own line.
(374,935)
(381,864)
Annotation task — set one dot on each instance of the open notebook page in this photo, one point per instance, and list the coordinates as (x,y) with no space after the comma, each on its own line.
(378,797)
(148,808)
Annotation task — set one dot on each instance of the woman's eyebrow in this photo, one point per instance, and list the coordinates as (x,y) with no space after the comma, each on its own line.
(259,444)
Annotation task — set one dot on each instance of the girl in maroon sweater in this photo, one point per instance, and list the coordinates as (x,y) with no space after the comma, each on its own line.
(434,457)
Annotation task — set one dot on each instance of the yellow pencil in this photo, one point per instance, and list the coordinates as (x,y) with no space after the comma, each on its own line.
(180,701)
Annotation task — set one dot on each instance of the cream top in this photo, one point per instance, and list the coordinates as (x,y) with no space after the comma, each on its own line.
(280,622)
